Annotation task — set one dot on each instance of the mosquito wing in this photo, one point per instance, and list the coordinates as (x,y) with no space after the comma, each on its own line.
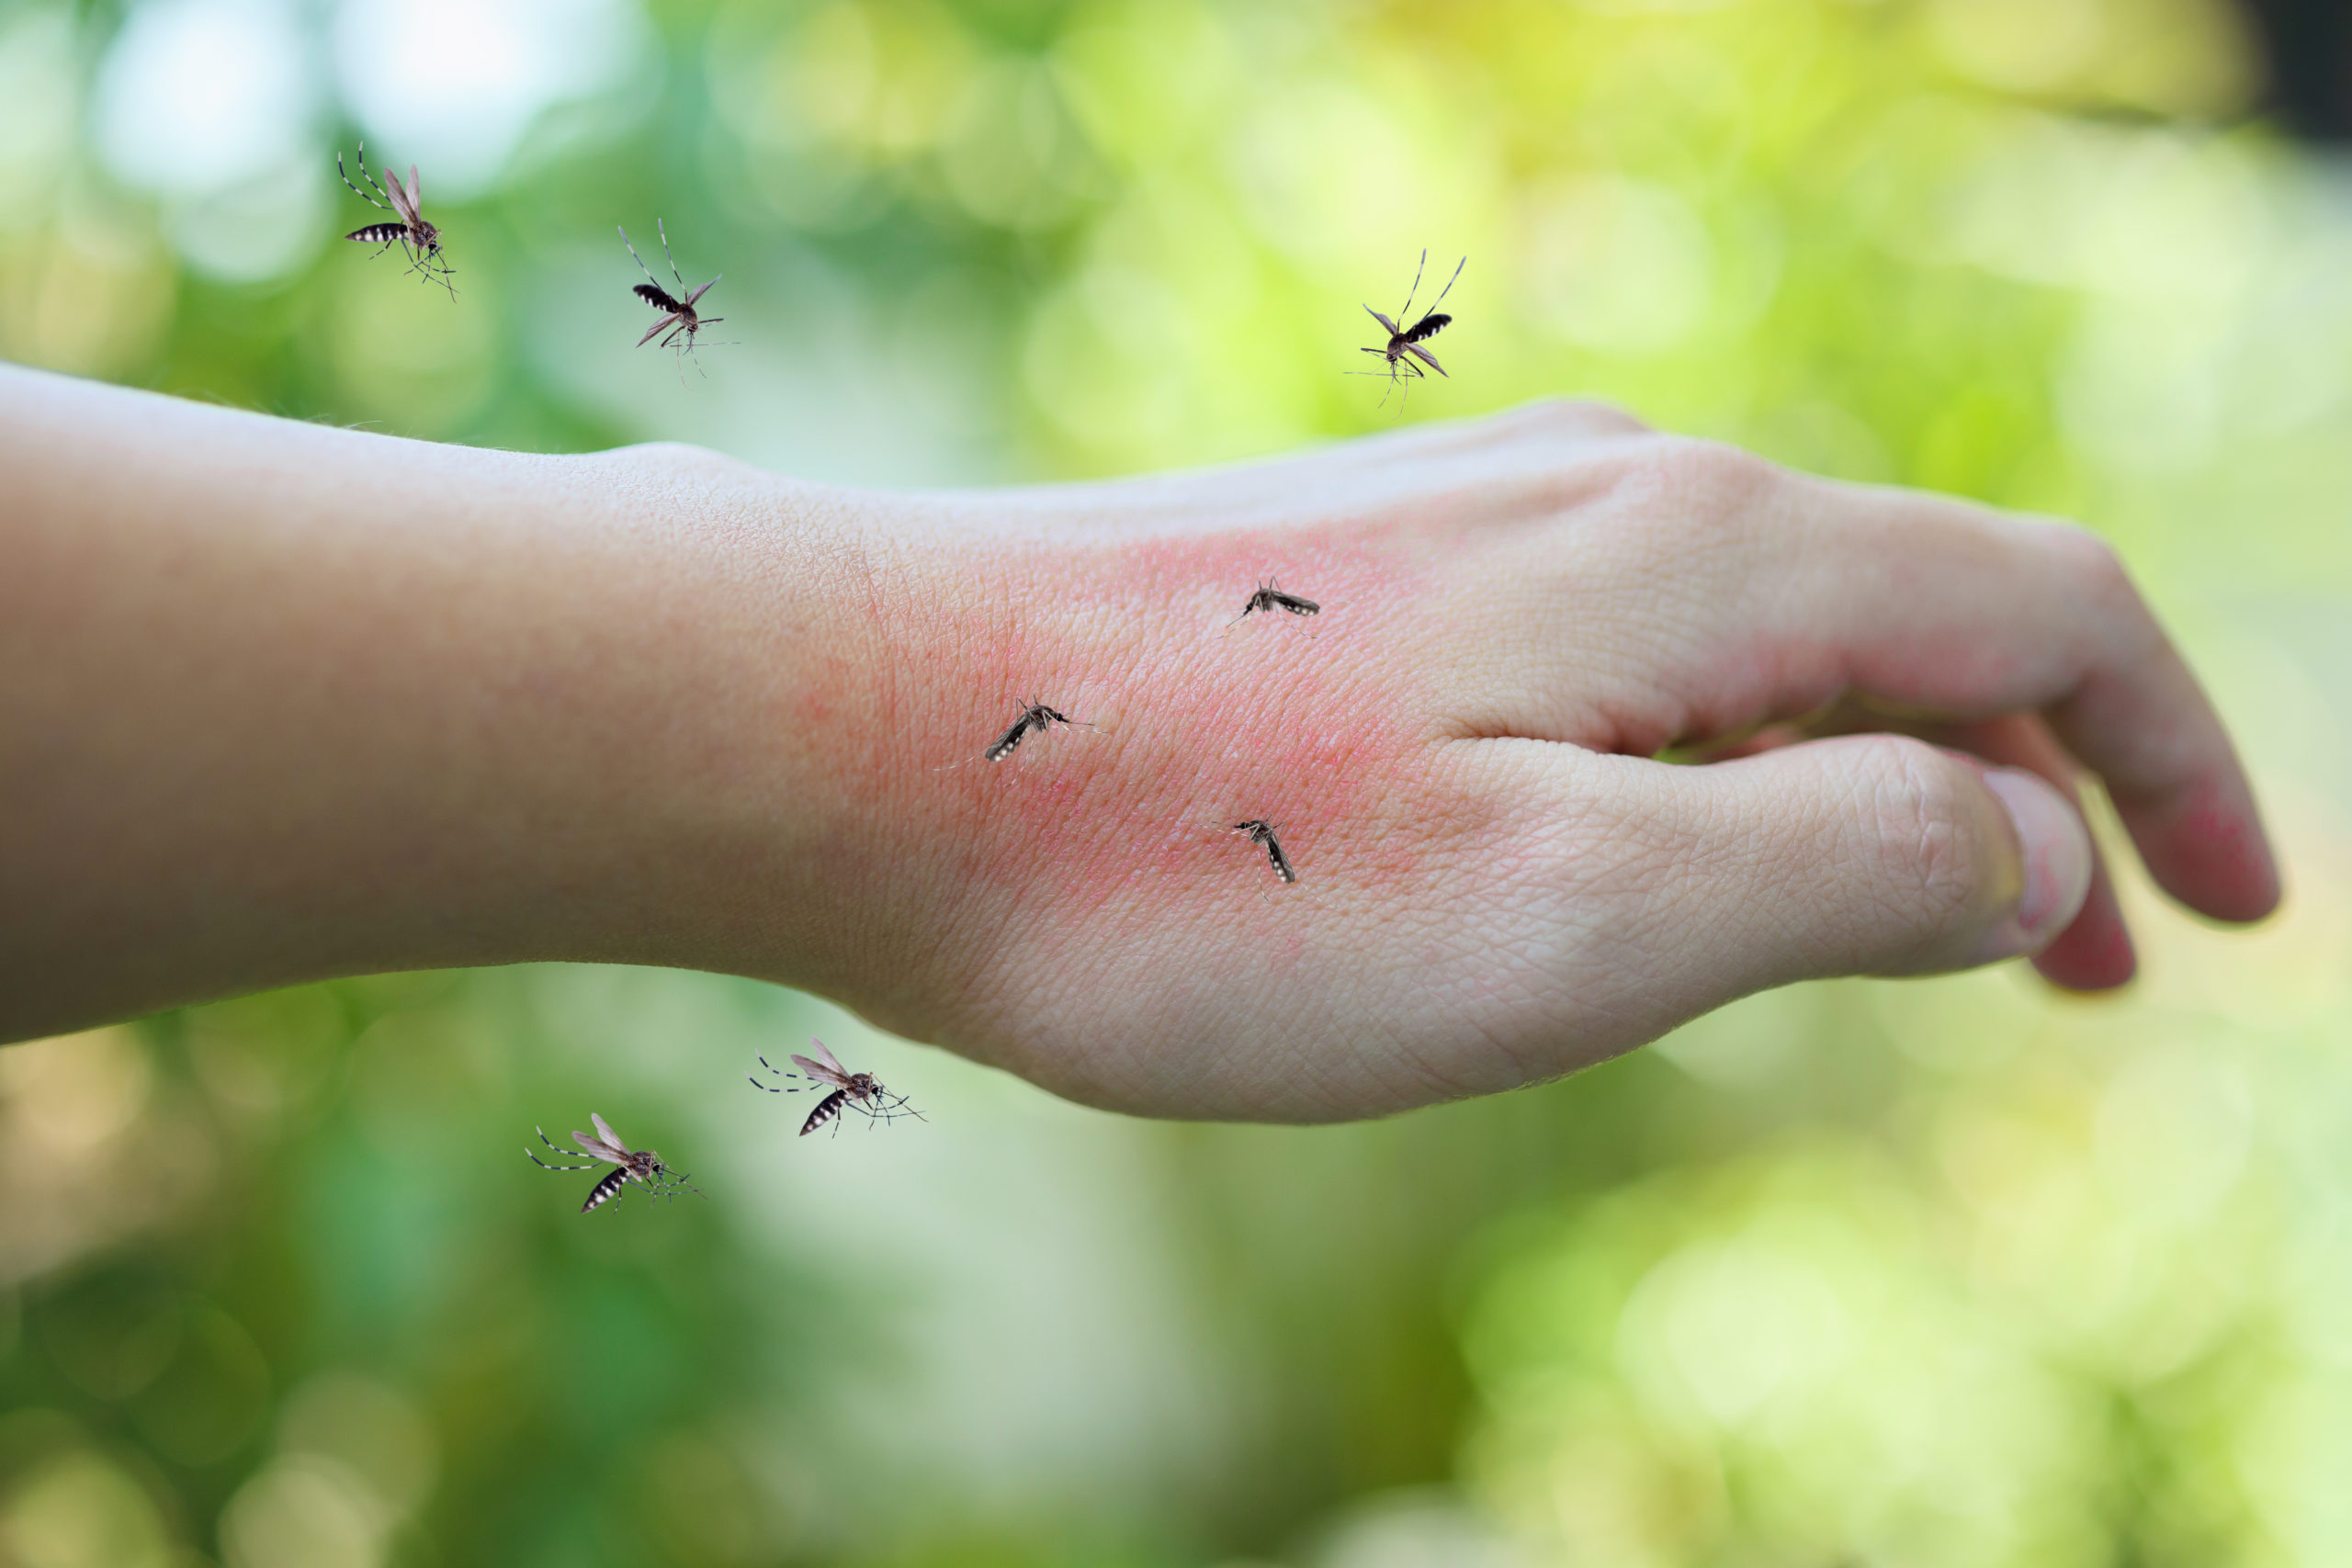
(393,189)
(611,1138)
(700,292)
(1417,350)
(825,1068)
(415,205)
(822,1073)
(597,1148)
(1386,324)
(656,327)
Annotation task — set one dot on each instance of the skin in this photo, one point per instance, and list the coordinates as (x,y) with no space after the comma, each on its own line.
(279,702)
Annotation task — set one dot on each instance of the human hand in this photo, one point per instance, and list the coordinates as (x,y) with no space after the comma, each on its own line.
(1498,884)
(294,701)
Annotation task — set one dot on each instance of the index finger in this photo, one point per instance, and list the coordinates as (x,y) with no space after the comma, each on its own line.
(1970,613)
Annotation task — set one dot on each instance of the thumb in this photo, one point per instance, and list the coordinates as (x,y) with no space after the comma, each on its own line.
(1879,854)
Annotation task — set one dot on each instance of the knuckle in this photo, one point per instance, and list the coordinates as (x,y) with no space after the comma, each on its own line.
(1717,471)
(1580,416)
(2091,562)
(1695,498)
(1919,807)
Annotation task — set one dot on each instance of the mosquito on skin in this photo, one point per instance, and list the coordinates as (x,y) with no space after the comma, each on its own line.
(844,1090)
(1404,340)
(420,241)
(1270,597)
(1262,834)
(679,308)
(1034,715)
(633,1165)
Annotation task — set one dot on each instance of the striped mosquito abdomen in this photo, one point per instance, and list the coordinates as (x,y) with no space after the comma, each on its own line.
(1262,833)
(612,1182)
(827,1109)
(379,233)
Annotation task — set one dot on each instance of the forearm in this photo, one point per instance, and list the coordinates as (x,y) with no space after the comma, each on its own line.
(279,702)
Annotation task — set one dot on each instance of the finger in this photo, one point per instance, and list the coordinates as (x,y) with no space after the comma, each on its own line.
(2095,953)
(1964,613)
(2042,617)
(1862,856)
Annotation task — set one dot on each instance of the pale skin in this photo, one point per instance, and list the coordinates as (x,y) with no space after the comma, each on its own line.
(281,702)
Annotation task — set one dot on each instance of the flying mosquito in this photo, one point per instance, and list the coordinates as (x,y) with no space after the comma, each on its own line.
(633,1165)
(844,1090)
(1263,833)
(1270,597)
(1036,716)
(418,240)
(679,315)
(1404,340)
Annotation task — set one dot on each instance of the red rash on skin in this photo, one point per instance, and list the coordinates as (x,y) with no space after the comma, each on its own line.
(1200,724)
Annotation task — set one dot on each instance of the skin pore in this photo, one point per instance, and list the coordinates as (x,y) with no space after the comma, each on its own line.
(279,702)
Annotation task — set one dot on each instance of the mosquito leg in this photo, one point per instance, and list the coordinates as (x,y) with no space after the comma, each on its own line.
(552,1149)
(668,257)
(1405,316)
(639,259)
(363,175)
(1449,285)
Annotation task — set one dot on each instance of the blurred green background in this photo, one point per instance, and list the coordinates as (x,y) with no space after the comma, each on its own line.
(1953,1273)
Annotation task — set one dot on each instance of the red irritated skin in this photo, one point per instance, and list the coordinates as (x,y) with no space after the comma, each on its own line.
(1496,883)
(309,702)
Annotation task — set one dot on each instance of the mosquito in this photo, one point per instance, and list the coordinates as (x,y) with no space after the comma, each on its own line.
(1270,597)
(1403,340)
(679,309)
(633,1165)
(418,240)
(846,1090)
(1263,833)
(1036,716)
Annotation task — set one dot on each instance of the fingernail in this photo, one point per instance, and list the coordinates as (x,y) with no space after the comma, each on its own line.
(2055,850)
